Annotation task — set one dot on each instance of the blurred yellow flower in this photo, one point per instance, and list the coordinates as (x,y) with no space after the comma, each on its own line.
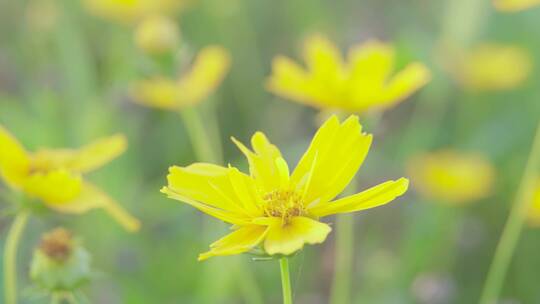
(491,66)
(452,177)
(207,72)
(157,35)
(277,210)
(514,5)
(366,82)
(533,216)
(132,11)
(55,176)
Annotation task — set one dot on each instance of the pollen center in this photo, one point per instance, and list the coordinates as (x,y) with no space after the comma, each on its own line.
(283,204)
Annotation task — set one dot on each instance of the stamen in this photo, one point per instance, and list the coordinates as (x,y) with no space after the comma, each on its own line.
(283,204)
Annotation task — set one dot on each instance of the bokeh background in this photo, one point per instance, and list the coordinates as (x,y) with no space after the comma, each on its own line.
(65,75)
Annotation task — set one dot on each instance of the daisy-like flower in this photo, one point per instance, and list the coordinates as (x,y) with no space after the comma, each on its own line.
(365,82)
(206,74)
(273,209)
(54,176)
(491,67)
(452,177)
(514,5)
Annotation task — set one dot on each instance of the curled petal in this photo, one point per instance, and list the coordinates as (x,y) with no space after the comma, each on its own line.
(241,240)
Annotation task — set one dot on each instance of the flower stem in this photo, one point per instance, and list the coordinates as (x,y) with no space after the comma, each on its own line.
(343,259)
(200,137)
(514,225)
(343,256)
(10,256)
(206,142)
(285,280)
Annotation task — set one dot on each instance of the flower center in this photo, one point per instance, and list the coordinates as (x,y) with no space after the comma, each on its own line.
(283,204)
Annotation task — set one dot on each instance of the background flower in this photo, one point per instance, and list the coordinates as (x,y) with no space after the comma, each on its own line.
(204,76)
(452,177)
(54,176)
(362,83)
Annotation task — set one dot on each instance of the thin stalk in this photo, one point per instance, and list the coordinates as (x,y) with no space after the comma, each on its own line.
(205,139)
(285,280)
(200,136)
(10,256)
(341,286)
(344,252)
(514,226)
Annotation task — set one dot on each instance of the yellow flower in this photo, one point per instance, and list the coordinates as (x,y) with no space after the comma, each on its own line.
(514,5)
(364,83)
(55,176)
(157,35)
(533,216)
(208,71)
(272,208)
(492,66)
(132,11)
(452,177)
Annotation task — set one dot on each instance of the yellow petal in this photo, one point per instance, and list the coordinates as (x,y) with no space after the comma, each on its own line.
(246,191)
(323,58)
(14,161)
(208,71)
(332,159)
(157,92)
(262,162)
(533,215)
(405,83)
(289,80)
(87,158)
(515,5)
(56,187)
(241,240)
(373,197)
(220,214)
(327,76)
(208,184)
(290,237)
(90,197)
(371,64)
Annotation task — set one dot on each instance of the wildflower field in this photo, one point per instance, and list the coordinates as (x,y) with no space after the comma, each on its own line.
(205,151)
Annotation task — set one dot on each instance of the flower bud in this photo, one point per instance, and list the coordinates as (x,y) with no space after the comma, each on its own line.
(157,35)
(60,263)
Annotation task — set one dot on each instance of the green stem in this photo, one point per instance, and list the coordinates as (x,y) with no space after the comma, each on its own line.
(10,256)
(285,280)
(200,136)
(514,225)
(341,286)
(344,252)
(206,142)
